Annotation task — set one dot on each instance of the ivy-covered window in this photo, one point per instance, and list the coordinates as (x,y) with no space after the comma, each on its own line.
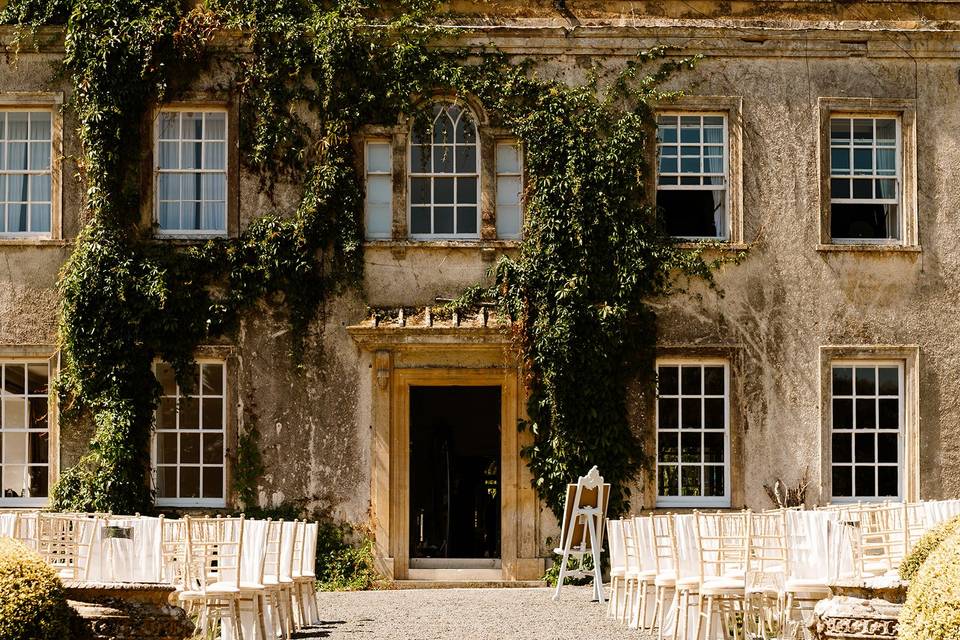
(866,425)
(24,433)
(865,176)
(191,170)
(693,175)
(188,451)
(444,175)
(509,191)
(693,446)
(26,145)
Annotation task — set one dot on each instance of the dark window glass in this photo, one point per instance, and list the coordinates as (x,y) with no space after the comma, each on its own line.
(842,482)
(842,381)
(841,447)
(667,381)
(861,221)
(667,414)
(690,214)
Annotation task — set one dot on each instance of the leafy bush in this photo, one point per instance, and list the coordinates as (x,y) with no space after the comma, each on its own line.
(925,546)
(932,609)
(342,566)
(33,605)
(553,573)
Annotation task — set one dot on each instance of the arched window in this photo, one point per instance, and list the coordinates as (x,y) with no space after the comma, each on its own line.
(444,175)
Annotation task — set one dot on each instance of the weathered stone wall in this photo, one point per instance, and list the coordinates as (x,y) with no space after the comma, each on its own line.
(779,306)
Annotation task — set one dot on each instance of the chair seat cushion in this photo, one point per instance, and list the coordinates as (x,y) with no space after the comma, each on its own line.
(667,579)
(722,586)
(231,587)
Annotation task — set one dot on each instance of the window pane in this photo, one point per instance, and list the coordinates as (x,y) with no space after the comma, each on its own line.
(166,482)
(40,156)
(713,444)
(667,450)
(839,161)
(713,480)
(889,417)
(15,481)
(379,220)
(420,192)
(443,190)
(667,413)
(216,126)
(169,125)
(888,482)
(840,188)
(840,130)
(690,380)
(866,381)
(40,188)
(865,481)
(863,189)
(888,381)
(443,220)
(841,449)
(191,155)
(17,156)
(714,412)
(40,125)
(466,219)
(191,124)
(212,413)
(508,190)
(690,480)
(190,448)
(213,448)
(690,413)
(843,481)
(443,159)
(14,446)
(864,449)
(866,413)
(508,221)
(667,480)
(215,155)
(189,482)
(37,378)
(167,448)
(213,482)
(214,187)
(842,413)
(18,125)
(167,414)
(862,161)
(667,380)
(862,131)
(508,158)
(39,218)
(189,413)
(379,157)
(466,159)
(690,447)
(713,381)
(887,447)
(886,131)
(14,378)
(420,159)
(39,482)
(420,220)
(39,447)
(380,189)
(169,216)
(214,216)
(17,218)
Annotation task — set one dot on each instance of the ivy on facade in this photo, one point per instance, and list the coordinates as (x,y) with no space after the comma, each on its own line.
(592,258)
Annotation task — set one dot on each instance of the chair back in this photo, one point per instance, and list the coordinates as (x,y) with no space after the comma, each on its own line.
(767,562)
(664,544)
(884,538)
(311,531)
(271,570)
(723,545)
(173,552)
(63,540)
(214,549)
(631,550)
(618,560)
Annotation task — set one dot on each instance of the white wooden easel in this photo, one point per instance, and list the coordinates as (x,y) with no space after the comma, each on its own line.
(582,528)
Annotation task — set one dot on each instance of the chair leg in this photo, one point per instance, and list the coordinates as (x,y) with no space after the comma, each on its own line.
(659,596)
(682,615)
(709,614)
(237,619)
(258,609)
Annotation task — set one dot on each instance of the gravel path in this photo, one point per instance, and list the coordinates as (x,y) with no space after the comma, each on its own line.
(465,614)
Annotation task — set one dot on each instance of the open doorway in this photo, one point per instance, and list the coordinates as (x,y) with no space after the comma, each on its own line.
(455,472)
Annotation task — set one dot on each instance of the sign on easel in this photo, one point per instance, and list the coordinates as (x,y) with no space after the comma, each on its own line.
(581,532)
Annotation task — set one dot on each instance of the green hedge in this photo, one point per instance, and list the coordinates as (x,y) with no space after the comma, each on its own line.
(32,601)
(932,609)
(925,546)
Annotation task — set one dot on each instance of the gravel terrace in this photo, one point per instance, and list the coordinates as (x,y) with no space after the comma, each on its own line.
(465,614)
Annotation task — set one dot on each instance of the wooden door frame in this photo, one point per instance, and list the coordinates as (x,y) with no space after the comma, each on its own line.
(403,379)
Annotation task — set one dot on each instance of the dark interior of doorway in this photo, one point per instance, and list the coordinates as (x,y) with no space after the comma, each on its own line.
(455,472)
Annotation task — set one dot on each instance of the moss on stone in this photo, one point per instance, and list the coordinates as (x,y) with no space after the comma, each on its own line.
(33,605)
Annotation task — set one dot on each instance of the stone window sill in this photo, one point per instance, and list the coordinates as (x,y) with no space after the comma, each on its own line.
(868,248)
(32,242)
(712,245)
(442,244)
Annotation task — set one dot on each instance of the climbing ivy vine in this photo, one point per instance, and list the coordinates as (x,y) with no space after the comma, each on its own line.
(315,72)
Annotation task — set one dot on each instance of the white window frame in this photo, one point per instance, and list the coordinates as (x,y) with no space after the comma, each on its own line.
(478,174)
(7,172)
(728,220)
(192,502)
(157,171)
(694,501)
(508,174)
(901,431)
(897,200)
(28,502)
(367,173)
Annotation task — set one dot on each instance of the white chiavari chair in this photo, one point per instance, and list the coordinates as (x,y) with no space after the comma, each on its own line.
(647,573)
(631,572)
(271,578)
(617,568)
(766,575)
(665,559)
(807,547)
(884,539)
(306,581)
(723,545)
(64,541)
(287,549)
(214,548)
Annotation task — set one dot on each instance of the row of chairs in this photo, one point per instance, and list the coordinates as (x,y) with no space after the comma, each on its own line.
(250,578)
(749,574)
